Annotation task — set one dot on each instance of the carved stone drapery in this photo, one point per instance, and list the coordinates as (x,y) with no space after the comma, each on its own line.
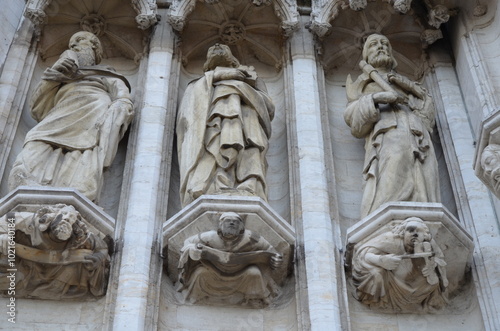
(80,123)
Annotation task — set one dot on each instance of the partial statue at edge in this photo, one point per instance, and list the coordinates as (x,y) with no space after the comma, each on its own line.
(402,269)
(223,130)
(396,116)
(83,111)
(230,266)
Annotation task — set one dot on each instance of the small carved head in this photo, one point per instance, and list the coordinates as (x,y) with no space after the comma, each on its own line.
(83,40)
(58,220)
(413,231)
(231,226)
(377,51)
(219,55)
(490,162)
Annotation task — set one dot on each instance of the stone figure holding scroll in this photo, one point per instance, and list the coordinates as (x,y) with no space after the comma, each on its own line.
(229,266)
(57,257)
(223,130)
(83,111)
(401,270)
(396,117)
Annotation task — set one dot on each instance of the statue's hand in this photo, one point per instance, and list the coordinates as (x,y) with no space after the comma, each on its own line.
(389,261)
(276,261)
(4,244)
(386,97)
(123,109)
(66,66)
(229,73)
(428,269)
(94,261)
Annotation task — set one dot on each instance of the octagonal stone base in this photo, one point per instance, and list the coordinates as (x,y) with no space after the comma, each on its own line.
(59,244)
(455,243)
(203,215)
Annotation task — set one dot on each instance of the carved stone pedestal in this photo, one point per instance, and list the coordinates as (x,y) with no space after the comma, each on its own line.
(228,250)
(407,257)
(487,158)
(54,244)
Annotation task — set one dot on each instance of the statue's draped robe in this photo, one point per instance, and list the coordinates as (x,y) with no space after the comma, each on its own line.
(402,289)
(223,131)
(202,279)
(400,163)
(77,135)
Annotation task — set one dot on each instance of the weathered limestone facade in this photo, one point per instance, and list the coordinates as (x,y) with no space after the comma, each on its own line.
(309,220)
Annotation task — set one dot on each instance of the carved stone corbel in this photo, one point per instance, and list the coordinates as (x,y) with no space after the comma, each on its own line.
(55,244)
(232,251)
(408,257)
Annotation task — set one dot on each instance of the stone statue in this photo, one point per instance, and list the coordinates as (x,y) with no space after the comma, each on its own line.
(57,257)
(83,111)
(402,270)
(490,162)
(229,266)
(223,130)
(396,116)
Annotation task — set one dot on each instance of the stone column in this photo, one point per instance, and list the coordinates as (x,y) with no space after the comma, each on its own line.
(474,203)
(137,293)
(317,265)
(20,61)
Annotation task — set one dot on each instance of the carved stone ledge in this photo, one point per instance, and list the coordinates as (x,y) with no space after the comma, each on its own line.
(59,244)
(431,270)
(194,229)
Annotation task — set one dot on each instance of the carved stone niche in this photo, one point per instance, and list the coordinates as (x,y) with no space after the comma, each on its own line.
(224,250)
(55,244)
(487,158)
(408,257)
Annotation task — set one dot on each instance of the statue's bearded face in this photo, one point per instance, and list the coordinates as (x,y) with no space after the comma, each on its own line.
(63,227)
(379,52)
(231,227)
(82,43)
(415,233)
(220,55)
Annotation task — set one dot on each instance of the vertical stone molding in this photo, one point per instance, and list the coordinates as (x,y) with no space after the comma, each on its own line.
(316,231)
(137,277)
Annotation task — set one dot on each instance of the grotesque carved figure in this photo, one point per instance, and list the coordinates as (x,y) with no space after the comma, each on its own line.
(396,116)
(438,15)
(223,128)
(57,257)
(402,270)
(229,266)
(83,111)
(490,162)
